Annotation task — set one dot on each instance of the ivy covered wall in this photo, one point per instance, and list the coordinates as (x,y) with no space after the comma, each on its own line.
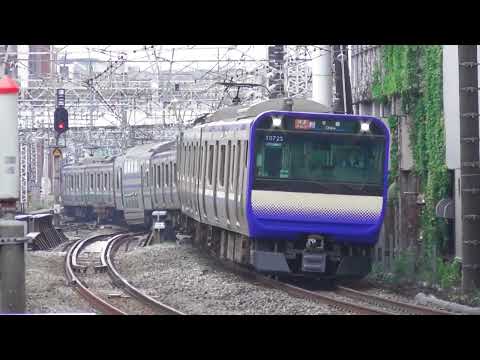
(414,73)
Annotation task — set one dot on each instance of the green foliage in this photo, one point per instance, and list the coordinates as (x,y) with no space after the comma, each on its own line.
(394,165)
(403,267)
(406,268)
(448,273)
(414,72)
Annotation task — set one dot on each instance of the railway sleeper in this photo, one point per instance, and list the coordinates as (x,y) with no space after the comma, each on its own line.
(100,268)
(80,268)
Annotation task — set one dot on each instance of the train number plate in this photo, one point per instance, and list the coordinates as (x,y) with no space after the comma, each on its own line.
(314,262)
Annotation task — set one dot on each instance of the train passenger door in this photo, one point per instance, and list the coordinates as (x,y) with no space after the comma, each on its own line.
(201,179)
(236,182)
(231,185)
(215,182)
(242,187)
(208,193)
(199,183)
(222,181)
(228,175)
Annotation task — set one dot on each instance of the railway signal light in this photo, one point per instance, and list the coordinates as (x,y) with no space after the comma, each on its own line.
(60,120)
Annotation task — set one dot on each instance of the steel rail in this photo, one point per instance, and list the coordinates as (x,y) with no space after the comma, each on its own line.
(401,306)
(108,257)
(79,286)
(301,292)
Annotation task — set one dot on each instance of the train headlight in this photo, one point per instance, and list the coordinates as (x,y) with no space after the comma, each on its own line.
(276,121)
(365,127)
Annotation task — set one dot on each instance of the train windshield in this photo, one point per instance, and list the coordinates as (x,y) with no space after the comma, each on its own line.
(332,163)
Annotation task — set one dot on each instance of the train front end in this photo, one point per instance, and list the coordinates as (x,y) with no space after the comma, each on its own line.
(317,191)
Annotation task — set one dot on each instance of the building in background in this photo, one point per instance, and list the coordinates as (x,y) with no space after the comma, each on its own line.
(8,58)
(41,60)
(401,225)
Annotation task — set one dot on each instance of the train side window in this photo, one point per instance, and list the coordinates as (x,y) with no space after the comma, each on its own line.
(175,173)
(184,167)
(194,165)
(155,176)
(246,153)
(215,160)
(228,160)
(232,164)
(200,161)
(162,174)
(237,164)
(221,175)
(210,163)
(190,161)
(166,175)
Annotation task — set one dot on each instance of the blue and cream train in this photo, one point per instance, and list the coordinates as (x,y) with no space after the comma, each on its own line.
(282,187)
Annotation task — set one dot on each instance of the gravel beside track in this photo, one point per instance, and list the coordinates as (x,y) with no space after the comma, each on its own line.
(181,277)
(46,286)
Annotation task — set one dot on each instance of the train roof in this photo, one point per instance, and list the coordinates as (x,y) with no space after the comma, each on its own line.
(147,150)
(233,113)
(95,160)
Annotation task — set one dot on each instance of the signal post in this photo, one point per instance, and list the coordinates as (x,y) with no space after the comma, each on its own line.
(60,125)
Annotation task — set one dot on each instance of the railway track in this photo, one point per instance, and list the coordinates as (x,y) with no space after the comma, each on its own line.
(342,298)
(396,306)
(108,258)
(72,268)
(77,262)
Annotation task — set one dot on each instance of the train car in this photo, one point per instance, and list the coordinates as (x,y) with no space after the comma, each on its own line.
(147,181)
(286,188)
(282,186)
(72,189)
(88,189)
(163,173)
